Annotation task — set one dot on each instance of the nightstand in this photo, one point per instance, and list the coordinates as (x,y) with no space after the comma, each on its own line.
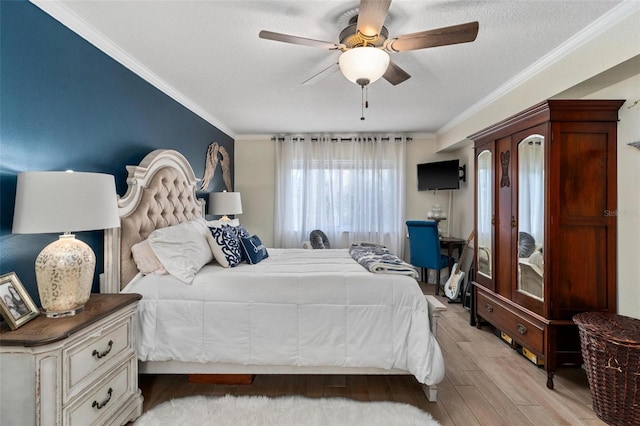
(76,370)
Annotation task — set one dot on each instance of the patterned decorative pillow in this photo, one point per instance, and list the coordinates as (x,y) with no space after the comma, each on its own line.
(253,250)
(241,232)
(226,246)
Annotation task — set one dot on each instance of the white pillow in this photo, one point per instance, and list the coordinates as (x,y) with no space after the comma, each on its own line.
(146,260)
(182,249)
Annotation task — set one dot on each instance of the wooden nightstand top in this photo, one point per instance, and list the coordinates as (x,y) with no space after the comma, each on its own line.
(42,330)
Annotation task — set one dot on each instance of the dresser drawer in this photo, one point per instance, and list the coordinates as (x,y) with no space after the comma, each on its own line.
(102,403)
(93,355)
(511,322)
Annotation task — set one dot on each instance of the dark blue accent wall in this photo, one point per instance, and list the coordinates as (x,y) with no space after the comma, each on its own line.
(64,104)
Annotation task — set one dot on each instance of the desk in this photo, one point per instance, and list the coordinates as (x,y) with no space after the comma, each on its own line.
(449,243)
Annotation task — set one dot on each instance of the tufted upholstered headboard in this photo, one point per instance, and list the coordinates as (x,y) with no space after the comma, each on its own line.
(161,191)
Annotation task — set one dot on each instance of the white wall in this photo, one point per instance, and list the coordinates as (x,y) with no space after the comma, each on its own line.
(459,222)
(254,178)
(628,212)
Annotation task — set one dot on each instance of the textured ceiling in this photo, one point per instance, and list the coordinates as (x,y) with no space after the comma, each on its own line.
(209,53)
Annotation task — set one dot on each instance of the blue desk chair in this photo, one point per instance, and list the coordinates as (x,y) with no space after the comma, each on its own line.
(424,246)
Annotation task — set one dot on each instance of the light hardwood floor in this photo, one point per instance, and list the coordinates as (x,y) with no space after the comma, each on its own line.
(486,383)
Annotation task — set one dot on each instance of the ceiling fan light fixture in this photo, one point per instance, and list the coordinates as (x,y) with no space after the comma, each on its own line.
(363,65)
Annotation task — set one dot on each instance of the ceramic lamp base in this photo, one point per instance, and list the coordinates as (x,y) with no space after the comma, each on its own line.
(64,274)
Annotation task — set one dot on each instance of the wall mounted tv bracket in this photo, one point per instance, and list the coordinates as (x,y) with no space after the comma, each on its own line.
(463,176)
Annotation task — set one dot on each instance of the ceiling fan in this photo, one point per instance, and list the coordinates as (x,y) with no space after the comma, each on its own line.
(365,44)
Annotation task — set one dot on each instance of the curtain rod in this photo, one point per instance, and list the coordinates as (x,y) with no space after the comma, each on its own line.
(281,139)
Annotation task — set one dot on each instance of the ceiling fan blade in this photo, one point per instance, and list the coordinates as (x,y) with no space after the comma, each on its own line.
(395,75)
(462,33)
(371,16)
(286,38)
(321,75)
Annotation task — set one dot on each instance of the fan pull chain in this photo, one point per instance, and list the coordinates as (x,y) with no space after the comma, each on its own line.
(362,103)
(366,103)
(365,99)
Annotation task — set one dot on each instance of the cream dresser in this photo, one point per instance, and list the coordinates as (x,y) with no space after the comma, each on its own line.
(79,370)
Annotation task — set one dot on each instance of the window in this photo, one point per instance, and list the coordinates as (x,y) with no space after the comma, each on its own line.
(352,189)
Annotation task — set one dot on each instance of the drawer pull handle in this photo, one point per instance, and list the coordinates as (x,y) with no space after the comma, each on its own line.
(99,405)
(521,329)
(488,308)
(105,353)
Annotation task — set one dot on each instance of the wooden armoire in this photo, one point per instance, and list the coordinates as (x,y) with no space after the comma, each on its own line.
(545,221)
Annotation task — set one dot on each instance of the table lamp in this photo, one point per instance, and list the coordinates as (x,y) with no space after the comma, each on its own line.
(48,202)
(225,203)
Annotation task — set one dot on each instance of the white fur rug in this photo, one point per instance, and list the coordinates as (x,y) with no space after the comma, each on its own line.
(263,411)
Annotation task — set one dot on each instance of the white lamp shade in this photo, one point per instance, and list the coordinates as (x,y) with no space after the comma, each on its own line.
(49,202)
(364,64)
(225,203)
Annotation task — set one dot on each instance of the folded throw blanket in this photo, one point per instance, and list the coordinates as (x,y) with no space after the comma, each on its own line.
(378,259)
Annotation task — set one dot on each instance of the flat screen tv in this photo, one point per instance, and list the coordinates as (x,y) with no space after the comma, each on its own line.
(439,175)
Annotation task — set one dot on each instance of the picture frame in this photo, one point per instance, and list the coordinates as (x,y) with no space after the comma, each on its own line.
(16,307)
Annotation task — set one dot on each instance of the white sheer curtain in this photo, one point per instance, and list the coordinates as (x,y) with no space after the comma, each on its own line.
(531,187)
(352,188)
(485,198)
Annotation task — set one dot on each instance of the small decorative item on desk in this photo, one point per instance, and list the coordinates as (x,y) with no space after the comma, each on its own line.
(436,213)
(16,306)
(65,202)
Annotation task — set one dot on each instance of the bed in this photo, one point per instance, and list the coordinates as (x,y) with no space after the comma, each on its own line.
(295,312)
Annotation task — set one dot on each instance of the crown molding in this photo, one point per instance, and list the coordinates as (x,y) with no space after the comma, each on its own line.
(69,19)
(427,136)
(253,137)
(600,25)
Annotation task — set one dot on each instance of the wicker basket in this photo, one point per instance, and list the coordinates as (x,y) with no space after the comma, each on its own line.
(611,352)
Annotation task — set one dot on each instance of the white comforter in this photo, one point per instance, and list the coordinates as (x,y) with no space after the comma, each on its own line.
(297,307)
